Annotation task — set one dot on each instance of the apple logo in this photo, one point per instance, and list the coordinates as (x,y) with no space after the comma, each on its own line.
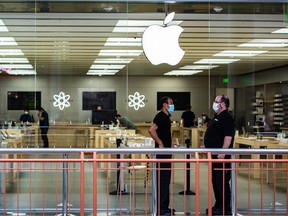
(161,43)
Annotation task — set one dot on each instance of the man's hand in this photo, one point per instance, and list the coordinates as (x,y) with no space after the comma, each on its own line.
(221,156)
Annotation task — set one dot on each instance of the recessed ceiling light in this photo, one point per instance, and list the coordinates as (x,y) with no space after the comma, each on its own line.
(102,72)
(22,72)
(107,66)
(3,28)
(217,8)
(120,52)
(182,72)
(27,66)
(237,53)
(14,60)
(203,67)
(266,43)
(7,41)
(113,60)
(216,61)
(7,52)
(123,42)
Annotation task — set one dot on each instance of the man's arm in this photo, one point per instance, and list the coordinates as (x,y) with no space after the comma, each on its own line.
(154,135)
(226,144)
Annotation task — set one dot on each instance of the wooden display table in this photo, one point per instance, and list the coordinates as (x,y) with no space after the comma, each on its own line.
(254,143)
(142,128)
(66,135)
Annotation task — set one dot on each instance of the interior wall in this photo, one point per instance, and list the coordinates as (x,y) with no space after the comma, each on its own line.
(74,85)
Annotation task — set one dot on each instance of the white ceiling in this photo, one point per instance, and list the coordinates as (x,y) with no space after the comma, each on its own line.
(58,43)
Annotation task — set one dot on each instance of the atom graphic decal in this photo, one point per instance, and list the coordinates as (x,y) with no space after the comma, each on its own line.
(61,100)
(136,100)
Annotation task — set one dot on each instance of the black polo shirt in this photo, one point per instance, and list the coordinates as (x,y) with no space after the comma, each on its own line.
(164,129)
(222,125)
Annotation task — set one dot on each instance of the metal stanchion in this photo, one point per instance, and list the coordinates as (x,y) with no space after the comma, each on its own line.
(65,186)
(233,186)
(154,187)
(188,191)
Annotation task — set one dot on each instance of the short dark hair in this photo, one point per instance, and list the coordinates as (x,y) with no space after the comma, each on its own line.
(225,100)
(163,100)
(40,108)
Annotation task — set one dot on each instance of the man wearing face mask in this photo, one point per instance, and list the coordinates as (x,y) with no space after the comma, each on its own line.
(220,134)
(25,117)
(160,131)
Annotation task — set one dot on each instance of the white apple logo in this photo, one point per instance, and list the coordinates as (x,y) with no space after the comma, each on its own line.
(160,43)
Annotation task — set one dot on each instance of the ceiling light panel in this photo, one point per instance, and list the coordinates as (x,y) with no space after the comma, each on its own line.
(238,53)
(3,28)
(7,41)
(183,72)
(266,43)
(281,31)
(199,67)
(27,66)
(7,52)
(102,72)
(14,60)
(216,61)
(22,72)
(107,66)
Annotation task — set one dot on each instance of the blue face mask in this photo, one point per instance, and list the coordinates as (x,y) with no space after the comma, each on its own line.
(171,108)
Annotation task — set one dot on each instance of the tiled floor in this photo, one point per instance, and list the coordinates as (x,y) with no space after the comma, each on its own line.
(41,190)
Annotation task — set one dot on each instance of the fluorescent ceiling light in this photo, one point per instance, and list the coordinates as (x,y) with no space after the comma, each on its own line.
(27,66)
(237,53)
(22,72)
(266,43)
(14,60)
(3,28)
(183,72)
(281,31)
(197,67)
(216,61)
(107,66)
(123,42)
(102,72)
(113,60)
(7,41)
(120,52)
(5,52)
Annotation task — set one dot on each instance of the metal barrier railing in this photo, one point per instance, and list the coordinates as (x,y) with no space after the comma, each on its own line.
(74,160)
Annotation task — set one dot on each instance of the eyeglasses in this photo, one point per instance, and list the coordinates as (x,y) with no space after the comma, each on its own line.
(217,101)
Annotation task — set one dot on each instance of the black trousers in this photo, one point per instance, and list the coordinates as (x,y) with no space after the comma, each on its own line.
(44,137)
(221,183)
(163,185)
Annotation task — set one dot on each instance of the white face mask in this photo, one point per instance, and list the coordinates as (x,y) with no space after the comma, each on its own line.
(26,112)
(216,107)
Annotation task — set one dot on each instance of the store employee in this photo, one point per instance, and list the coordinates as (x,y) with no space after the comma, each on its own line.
(25,117)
